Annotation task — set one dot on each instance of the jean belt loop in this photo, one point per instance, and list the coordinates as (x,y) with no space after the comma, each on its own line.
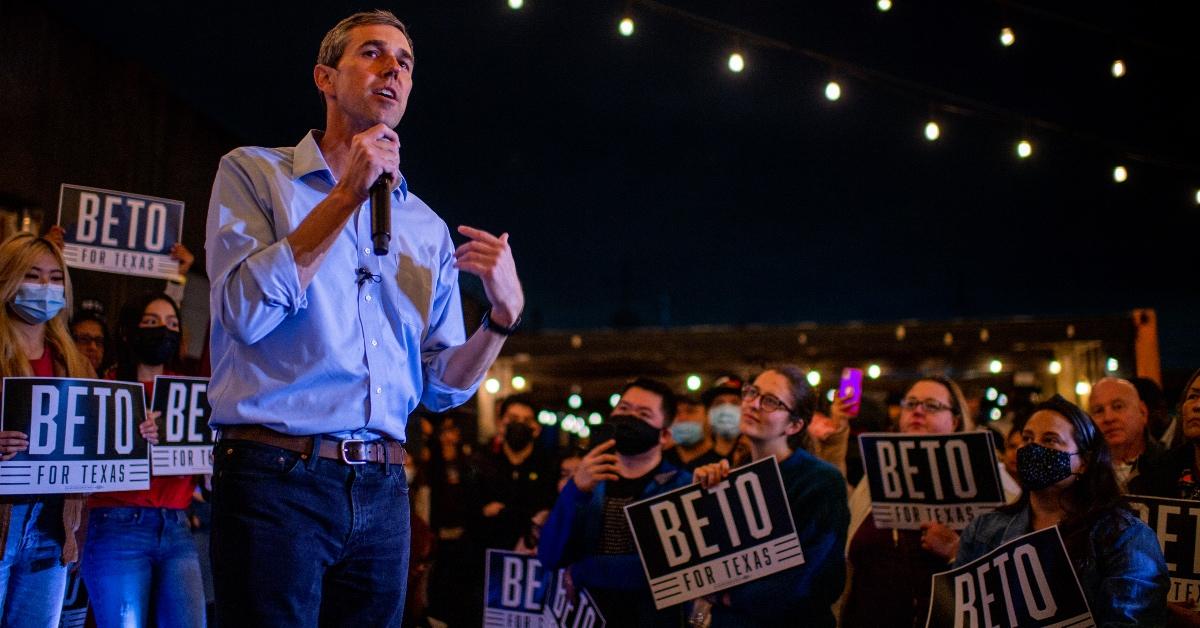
(314,453)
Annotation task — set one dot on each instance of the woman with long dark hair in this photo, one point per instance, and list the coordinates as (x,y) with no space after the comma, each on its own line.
(1066,471)
(776,409)
(140,565)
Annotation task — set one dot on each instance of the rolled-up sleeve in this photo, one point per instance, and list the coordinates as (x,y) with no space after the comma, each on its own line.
(445,330)
(255,282)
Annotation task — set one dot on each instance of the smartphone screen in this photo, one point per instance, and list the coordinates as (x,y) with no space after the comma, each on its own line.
(851,386)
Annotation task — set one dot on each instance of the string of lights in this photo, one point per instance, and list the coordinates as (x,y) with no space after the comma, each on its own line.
(941,102)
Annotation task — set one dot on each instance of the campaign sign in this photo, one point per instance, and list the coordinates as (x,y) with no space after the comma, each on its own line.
(75,602)
(572,611)
(945,478)
(515,591)
(83,436)
(184,438)
(1028,581)
(695,541)
(118,232)
(1177,524)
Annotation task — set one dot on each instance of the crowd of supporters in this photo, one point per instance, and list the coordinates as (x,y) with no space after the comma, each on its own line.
(531,489)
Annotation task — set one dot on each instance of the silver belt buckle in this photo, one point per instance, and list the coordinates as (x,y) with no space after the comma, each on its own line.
(360,450)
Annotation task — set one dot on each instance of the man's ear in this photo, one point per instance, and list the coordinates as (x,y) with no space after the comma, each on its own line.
(323,77)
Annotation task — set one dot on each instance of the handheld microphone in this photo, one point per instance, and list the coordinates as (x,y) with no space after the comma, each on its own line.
(381,213)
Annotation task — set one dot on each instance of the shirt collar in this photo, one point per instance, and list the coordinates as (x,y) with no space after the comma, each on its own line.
(308,159)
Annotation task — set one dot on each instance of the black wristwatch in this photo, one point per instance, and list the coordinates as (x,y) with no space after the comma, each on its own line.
(492,325)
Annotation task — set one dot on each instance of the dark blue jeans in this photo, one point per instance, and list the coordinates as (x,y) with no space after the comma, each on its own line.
(307,542)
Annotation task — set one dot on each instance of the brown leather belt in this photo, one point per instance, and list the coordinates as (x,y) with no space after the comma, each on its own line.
(349,451)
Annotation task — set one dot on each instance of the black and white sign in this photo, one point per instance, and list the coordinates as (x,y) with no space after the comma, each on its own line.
(519,593)
(75,601)
(572,611)
(83,436)
(184,439)
(695,541)
(945,478)
(1177,524)
(515,591)
(118,232)
(1028,581)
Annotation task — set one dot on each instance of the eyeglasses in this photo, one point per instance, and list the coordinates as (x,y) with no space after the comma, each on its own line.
(769,402)
(84,339)
(929,405)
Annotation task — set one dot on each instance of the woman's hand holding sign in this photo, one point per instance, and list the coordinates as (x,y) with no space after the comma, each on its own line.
(149,427)
(940,540)
(711,474)
(12,443)
(596,467)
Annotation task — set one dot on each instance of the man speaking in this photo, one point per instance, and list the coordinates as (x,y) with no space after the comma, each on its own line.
(321,348)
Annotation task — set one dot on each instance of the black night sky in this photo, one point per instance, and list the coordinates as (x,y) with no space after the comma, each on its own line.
(644,183)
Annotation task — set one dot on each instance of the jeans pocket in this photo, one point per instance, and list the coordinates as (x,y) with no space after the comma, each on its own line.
(114,516)
(251,459)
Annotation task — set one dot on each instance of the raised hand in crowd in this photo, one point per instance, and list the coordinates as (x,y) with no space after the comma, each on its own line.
(840,412)
(185,258)
(596,467)
(57,235)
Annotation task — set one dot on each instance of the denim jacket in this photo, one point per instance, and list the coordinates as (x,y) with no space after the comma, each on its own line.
(1119,564)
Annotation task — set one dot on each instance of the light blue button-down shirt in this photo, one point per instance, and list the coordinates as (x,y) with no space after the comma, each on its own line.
(344,354)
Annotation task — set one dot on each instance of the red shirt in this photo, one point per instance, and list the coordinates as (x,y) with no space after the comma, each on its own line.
(43,366)
(171,491)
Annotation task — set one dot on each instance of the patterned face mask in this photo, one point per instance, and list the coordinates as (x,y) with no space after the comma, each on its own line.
(1040,467)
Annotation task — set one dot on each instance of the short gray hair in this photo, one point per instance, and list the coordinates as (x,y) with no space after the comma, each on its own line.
(333,46)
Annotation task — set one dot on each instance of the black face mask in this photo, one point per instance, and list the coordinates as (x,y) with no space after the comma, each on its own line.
(518,435)
(633,435)
(1040,467)
(155,345)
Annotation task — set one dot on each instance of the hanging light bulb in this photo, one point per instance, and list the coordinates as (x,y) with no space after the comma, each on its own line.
(932,131)
(884,5)
(1118,68)
(1024,149)
(737,62)
(833,90)
(1007,37)
(516,4)
(625,27)
(1120,174)
(1055,367)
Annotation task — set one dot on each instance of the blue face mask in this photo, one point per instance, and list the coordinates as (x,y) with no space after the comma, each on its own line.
(37,303)
(726,420)
(687,433)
